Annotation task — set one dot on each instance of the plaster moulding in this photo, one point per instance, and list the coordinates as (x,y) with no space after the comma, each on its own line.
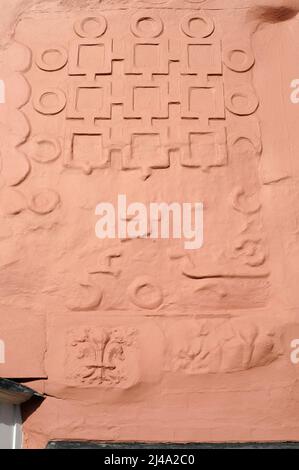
(161,101)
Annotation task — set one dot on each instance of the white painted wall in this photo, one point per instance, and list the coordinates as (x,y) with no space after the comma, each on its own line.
(10,426)
(2,92)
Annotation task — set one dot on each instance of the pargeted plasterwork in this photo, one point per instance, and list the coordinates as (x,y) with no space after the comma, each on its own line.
(166,103)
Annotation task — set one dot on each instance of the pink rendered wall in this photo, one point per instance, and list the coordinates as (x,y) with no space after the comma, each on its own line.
(141,339)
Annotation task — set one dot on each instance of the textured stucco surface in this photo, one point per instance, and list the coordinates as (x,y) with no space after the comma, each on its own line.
(139,339)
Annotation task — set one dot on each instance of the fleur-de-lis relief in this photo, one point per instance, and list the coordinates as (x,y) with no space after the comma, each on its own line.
(100,351)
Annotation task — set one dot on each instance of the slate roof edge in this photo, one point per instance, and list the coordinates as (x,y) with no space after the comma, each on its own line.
(15,393)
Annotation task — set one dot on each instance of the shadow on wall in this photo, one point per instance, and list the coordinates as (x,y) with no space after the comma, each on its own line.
(272,15)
